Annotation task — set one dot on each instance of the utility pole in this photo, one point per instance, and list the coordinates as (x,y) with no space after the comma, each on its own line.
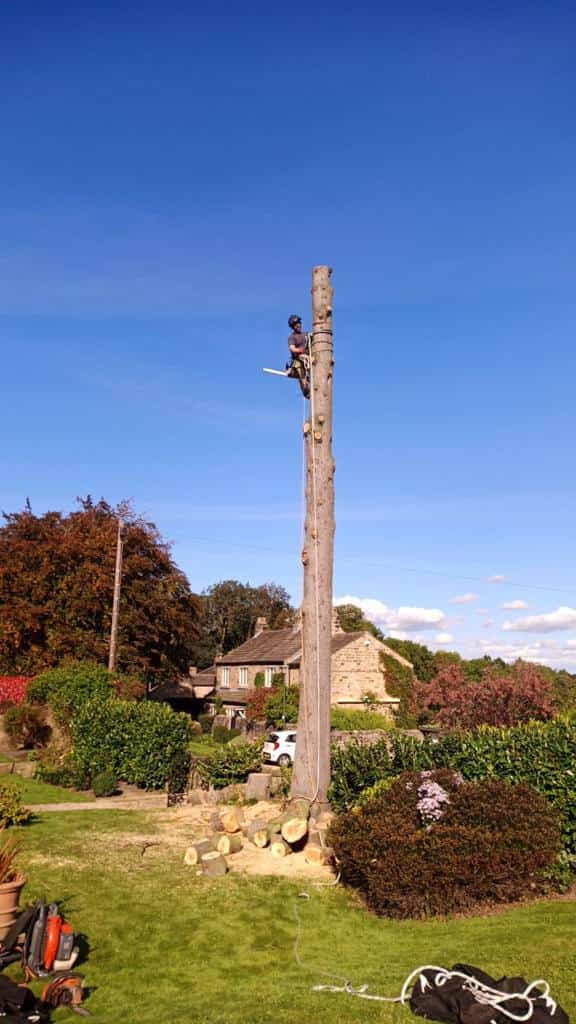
(311,775)
(116,603)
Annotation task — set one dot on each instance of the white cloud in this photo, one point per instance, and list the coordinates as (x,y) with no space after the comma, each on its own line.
(513,605)
(496,579)
(443,638)
(545,652)
(464,598)
(562,618)
(406,619)
(488,623)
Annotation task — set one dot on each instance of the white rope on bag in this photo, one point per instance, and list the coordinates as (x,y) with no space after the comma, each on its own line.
(483,994)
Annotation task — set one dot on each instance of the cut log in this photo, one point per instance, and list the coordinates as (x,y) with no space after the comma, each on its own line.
(227,843)
(257,833)
(213,864)
(216,822)
(195,852)
(274,827)
(294,829)
(315,851)
(279,847)
(232,819)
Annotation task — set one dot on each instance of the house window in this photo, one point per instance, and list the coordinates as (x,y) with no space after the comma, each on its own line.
(225,677)
(268,673)
(242,677)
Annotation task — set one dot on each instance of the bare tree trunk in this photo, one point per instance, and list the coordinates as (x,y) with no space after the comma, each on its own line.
(116,604)
(311,776)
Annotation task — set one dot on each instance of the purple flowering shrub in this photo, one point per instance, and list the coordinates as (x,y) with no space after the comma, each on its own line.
(434,844)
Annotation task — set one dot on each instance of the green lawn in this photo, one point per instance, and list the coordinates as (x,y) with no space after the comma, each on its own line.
(33,791)
(167,945)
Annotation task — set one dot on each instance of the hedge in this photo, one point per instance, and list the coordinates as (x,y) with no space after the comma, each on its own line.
(433,844)
(538,754)
(142,743)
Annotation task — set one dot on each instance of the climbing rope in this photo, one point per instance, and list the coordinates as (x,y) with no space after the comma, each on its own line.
(483,994)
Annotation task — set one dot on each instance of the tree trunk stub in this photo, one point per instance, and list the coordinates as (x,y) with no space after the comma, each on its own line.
(213,864)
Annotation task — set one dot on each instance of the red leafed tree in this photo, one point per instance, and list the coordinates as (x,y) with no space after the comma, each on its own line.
(517,695)
(56,588)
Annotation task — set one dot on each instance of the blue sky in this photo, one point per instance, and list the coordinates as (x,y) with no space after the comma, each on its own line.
(170,175)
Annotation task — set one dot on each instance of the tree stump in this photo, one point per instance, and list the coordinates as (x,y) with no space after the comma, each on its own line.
(227,843)
(195,852)
(213,864)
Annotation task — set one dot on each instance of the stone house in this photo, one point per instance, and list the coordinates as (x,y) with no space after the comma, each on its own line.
(356,667)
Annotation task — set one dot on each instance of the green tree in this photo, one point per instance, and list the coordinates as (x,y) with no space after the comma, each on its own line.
(420,657)
(229,613)
(353,620)
(56,589)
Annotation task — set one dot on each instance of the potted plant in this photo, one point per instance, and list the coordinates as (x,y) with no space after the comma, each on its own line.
(12,881)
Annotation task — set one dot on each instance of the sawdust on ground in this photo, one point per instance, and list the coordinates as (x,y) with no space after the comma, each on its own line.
(190,824)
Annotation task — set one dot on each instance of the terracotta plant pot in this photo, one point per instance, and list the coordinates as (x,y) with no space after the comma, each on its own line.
(9,903)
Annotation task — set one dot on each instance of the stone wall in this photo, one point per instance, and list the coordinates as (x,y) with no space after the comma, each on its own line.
(357,669)
(234,676)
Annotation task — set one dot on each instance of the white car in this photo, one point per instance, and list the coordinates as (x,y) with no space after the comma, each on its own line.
(280,747)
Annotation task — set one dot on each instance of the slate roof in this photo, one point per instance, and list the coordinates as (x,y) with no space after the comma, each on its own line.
(183,689)
(278,646)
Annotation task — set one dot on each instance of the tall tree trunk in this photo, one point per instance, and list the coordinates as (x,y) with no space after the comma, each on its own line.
(311,776)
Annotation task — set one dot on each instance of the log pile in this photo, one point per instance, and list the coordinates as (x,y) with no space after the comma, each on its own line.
(285,834)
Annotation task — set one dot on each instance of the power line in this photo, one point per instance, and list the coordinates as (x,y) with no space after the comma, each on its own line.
(385,565)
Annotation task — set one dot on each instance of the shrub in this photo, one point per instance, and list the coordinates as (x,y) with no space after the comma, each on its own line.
(26,725)
(13,689)
(282,704)
(205,722)
(454,700)
(221,734)
(66,688)
(259,680)
(105,784)
(64,773)
(354,768)
(231,764)
(359,721)
(11,810)
(538,754)
(142,743)
(433,844)
(400,684)
(256,704)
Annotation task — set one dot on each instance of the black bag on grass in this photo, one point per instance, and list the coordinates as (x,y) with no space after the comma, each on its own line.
(446,997)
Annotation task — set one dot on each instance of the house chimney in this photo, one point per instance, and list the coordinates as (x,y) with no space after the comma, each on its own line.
(336,627)
(297,624)
(261,625)
(192,670)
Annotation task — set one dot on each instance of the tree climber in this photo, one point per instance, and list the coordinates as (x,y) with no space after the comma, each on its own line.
(299,345)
